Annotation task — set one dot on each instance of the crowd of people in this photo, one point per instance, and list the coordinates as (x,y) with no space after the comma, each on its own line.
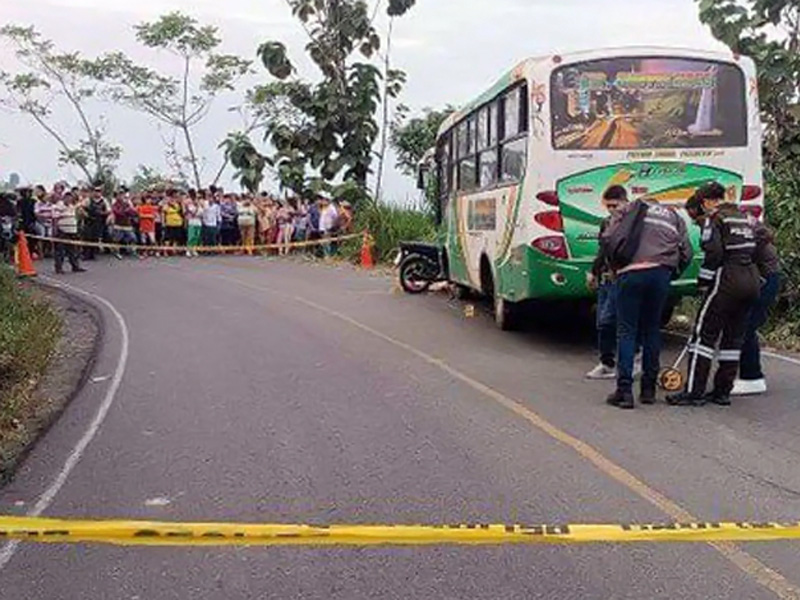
(186,220)
(644,246)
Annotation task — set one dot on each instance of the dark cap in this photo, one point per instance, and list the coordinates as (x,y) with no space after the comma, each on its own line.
(711,191)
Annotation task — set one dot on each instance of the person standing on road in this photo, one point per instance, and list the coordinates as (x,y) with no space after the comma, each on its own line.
(65,220)
(328,219)
(229,230)
(124,218)
(147,222)
(173,220)
(752,381)
(730,281)
(601,280)
(194,223)
(96,215)
(662,252)
(211,221)
(8,225)
(247,224)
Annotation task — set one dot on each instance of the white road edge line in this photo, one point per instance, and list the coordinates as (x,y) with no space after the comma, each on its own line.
(767,353)
(47,497)
(787,359)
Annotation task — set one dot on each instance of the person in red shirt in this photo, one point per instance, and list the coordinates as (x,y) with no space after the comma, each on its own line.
(147,222)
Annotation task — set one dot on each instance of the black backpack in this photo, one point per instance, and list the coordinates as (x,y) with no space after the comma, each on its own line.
(621,242)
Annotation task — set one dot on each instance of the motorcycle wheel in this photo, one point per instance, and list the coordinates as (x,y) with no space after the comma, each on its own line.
(414,274)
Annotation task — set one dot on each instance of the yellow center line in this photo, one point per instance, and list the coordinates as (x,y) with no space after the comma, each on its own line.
(763,574)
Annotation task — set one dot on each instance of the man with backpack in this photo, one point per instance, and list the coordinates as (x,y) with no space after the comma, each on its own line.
(647,245)
(729,278)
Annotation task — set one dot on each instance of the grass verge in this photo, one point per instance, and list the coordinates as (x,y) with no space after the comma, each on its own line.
(29,333)
(389,225)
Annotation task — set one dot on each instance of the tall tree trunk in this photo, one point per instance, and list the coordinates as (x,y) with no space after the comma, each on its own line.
(187,134)
(385,122)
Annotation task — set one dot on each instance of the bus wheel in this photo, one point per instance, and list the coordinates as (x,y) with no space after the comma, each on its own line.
(506,314)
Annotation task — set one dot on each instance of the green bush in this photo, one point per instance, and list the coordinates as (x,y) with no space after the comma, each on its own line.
(389,225)
(783,214)
(29,331)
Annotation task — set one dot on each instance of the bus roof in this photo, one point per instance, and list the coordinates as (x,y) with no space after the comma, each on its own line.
(518,72)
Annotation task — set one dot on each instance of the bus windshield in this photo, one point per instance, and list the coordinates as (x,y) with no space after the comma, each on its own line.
(629,103)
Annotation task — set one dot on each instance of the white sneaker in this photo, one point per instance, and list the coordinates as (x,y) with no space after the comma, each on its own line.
(602,371)
(752,387)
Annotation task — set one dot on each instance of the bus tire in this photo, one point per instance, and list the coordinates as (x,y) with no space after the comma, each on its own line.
(506,314)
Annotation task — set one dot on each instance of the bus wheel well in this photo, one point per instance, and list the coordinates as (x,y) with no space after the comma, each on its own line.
(487,277)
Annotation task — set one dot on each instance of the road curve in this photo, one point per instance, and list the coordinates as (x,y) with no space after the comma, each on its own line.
(267,391)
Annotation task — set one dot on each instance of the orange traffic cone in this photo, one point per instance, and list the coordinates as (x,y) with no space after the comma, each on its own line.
(24,262)
(366,252)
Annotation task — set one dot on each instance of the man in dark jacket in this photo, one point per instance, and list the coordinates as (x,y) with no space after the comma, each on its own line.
(8,225)
(601,279)
(96,213)
(729,279)
(663,251)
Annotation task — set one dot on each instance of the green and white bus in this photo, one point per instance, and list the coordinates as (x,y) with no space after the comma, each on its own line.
(521,169)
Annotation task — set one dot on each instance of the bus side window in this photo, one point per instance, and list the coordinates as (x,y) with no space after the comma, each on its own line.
(487,157)
(444,176)
(514,147)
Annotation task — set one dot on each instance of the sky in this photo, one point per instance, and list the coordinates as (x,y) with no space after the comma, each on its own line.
(451,49)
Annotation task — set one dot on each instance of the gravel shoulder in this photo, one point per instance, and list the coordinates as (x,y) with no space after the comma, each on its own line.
(67,372)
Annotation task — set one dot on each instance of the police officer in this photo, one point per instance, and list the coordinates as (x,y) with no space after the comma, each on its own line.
(729,279)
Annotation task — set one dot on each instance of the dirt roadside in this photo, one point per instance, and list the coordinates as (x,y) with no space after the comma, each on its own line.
(67,372)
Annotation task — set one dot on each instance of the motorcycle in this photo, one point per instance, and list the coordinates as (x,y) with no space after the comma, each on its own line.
(420,265)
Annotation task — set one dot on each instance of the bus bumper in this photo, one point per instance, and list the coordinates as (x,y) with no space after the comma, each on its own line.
(530,275)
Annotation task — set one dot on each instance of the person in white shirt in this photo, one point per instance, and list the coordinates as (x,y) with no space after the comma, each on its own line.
(328,221)
(65,224)
(212,218)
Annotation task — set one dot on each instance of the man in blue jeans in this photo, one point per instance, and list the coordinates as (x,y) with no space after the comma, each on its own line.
(601,279)
(663,251)
(751,380)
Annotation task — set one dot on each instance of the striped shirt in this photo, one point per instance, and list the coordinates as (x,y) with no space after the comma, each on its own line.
(65,218)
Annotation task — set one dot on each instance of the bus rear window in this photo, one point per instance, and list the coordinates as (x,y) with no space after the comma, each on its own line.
(648,103)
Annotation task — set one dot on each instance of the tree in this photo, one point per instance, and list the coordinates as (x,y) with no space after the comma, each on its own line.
(181,102)
(769,32)
(337,130)
(147,178)
(411,139)
(58,77)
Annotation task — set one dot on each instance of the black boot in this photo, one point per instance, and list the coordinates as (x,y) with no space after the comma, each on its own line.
(623,400)
(686,399)
(648,395)
(718,398)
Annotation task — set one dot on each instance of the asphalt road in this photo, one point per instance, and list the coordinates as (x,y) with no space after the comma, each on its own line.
(266,391)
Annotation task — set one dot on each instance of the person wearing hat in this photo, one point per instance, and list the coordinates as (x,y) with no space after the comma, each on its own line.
(729,279)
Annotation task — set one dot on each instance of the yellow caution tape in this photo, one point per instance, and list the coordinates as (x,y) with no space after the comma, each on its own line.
(199,249)
(146,533)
